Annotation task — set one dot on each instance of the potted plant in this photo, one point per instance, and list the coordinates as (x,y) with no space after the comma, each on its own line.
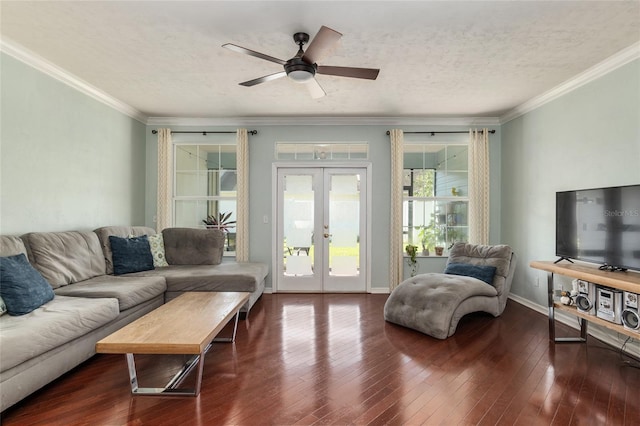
(428,238)
(432,236)
(413,263)
(221,221)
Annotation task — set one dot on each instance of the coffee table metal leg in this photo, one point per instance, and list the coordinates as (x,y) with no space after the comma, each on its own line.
(133,378)
(171,389)
(233,335)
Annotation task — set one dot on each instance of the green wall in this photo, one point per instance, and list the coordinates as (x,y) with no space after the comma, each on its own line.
(67,160)
(587,138)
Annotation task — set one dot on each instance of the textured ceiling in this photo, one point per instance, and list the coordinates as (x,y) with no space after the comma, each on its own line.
(437,59)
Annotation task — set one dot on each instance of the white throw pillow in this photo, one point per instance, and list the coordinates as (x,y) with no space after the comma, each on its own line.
(157,250)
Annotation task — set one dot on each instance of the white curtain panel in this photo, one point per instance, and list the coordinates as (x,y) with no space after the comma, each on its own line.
(479,186)
(242,200)
(395,246)
(165,180)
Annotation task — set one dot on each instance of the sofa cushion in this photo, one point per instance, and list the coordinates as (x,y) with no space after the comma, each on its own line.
(232,276)
(22,287)
(130,254)
(118,231)
(59,321)
(129,291)
(65,257)
(10,245)
(190,246)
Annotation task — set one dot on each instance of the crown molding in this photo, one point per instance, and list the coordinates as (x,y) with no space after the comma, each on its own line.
(22,54)
(619,59)
(323,121)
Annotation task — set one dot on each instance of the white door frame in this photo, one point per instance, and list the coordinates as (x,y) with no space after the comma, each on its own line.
(274,209)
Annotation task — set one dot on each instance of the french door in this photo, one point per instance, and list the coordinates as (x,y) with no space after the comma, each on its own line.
(321,229)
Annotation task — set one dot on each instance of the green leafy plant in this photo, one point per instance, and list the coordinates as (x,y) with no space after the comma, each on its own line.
(430,235)
(221,221)
(413,263)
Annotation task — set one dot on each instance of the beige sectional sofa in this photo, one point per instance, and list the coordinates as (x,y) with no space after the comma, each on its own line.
(90,302)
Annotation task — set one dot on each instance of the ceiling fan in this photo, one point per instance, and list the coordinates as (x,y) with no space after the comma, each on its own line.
(303,67)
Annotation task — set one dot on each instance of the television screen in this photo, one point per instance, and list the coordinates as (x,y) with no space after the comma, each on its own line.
(600,226)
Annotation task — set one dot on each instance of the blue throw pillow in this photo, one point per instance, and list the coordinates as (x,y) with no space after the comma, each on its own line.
(130,254)
(22,287)
(482,272)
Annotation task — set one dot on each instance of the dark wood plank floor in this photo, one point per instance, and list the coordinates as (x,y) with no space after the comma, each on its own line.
(332,359)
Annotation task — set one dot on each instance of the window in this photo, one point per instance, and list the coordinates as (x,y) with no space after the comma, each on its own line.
(435,197)
(205,182)
(321,151)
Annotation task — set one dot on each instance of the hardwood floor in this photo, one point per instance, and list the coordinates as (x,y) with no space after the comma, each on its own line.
(332,359)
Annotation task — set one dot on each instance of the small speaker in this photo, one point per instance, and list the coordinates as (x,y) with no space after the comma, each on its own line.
(630,317)
(586,298)
(609,304)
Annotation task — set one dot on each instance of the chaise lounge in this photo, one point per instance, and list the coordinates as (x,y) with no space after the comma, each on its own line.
(476,278)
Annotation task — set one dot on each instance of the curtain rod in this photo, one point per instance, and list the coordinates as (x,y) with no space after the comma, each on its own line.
(204,132)
(433,133)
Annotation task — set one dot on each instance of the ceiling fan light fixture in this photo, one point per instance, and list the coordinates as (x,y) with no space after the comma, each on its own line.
(299,71)
(300,76)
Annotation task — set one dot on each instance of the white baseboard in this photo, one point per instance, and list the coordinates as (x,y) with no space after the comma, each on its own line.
(607,336)
(379,290)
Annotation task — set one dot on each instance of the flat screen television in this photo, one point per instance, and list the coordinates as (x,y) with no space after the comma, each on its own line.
(600,225)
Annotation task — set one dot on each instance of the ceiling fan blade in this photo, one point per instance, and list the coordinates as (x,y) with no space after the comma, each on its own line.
(263,79)
(250,52)
(368,73)
(314,88)
(321,45)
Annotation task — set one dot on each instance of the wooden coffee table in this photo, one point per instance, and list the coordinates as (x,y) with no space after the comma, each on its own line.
(186,325)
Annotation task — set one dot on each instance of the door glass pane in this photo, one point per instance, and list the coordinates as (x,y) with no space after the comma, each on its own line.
(344,225)
(298,218)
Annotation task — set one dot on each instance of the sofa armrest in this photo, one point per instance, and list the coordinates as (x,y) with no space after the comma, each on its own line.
(190,246)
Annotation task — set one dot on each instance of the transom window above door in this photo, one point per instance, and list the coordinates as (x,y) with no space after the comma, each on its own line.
(321,151)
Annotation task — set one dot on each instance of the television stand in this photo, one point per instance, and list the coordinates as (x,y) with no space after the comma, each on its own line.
(563,258)
(628,281)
